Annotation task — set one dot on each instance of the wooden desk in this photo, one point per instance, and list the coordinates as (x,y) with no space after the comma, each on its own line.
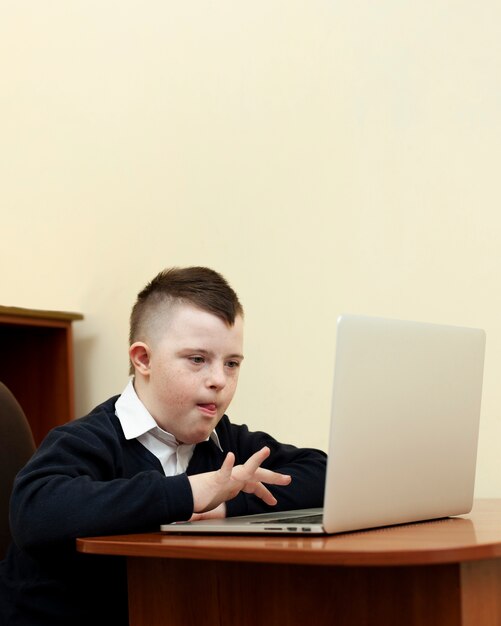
(38,364)
(439,573)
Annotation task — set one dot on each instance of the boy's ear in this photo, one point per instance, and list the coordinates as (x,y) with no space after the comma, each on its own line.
(139,354)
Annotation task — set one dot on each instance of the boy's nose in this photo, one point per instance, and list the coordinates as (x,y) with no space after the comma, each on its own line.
(216,378)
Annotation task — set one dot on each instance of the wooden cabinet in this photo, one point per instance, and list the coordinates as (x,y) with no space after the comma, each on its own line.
(37,364)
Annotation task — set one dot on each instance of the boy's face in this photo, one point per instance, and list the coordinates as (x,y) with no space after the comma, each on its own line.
(187,374)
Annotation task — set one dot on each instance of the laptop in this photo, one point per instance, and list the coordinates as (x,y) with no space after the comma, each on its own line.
(404,430)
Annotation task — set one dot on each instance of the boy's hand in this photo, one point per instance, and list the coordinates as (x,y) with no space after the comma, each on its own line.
(213,488)
(218,513)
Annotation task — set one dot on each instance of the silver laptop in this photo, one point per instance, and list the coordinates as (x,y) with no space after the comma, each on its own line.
(404,430)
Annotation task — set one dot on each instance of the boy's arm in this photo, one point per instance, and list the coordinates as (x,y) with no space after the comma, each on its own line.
(76,485)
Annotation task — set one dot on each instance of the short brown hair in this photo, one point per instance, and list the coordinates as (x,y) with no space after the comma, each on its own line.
(200,286)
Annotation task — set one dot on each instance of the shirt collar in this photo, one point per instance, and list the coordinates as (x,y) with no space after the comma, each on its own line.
(136,420)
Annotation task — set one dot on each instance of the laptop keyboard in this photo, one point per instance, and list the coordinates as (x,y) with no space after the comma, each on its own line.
(301,519)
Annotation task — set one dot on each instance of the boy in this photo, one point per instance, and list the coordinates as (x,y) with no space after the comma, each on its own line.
(163,451)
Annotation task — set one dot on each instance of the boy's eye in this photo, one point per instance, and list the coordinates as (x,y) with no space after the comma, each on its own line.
(197,359)
(233,364)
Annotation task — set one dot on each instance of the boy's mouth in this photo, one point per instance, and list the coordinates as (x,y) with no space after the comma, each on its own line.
(208,407)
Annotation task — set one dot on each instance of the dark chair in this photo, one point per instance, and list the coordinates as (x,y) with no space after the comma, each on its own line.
(16,447)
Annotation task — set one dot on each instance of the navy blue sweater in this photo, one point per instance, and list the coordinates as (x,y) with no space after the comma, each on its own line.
(86,479)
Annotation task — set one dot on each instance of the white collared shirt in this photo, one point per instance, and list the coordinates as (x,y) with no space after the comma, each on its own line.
(138,423)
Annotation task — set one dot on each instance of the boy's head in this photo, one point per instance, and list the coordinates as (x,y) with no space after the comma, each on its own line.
(201,287)
(186,343)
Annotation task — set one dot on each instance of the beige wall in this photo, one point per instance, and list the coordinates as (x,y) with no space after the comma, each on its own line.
(327,157)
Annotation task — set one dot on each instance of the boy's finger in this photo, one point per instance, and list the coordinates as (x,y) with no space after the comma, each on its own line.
(272,478)
(227,466)
(254,461)
(259,490)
